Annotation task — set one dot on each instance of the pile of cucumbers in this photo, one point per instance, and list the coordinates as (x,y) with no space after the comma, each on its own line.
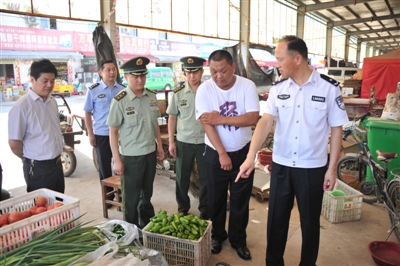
(178,225)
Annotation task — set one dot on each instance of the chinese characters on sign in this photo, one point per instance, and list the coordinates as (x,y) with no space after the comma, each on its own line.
(178,47)
(36,39)
(83,42)
(133,45)
(17,38)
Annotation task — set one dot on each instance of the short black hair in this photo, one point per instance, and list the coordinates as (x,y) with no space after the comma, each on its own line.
(297,44)
(106,62)
(219,55)
(42,66)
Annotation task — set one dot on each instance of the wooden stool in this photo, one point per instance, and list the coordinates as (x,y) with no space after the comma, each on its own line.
(115,183)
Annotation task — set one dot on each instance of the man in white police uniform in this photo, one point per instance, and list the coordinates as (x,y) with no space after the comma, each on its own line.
(308,105)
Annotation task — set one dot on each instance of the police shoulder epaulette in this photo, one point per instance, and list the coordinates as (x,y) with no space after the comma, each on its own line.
(279,81)
(179,88)
(120,95)
(150,91)
(330,80)
(94,86)
(122,84)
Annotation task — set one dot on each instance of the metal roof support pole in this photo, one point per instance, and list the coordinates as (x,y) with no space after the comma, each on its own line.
(367,48)
(108,21)
(347,48)
(358,51)
(244,30)
(329,31)
(300,22)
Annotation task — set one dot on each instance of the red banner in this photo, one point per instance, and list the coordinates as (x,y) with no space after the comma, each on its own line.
(133,45)
(83,42)
(18,38)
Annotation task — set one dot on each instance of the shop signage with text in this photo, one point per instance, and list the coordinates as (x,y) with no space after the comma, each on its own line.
(18,38)
(134,45)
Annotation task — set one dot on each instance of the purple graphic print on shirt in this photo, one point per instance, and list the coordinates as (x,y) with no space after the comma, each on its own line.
(229,109)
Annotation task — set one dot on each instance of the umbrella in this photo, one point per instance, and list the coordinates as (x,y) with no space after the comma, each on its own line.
(104,48)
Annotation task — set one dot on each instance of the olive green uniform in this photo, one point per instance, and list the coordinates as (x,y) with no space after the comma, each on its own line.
(136,118)
(190,146)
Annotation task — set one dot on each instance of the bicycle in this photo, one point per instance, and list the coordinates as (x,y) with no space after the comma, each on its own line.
(350,168)
(385,191)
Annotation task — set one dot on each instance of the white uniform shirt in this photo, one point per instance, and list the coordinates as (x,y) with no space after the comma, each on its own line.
(306,114)
(242,98)
(37,125)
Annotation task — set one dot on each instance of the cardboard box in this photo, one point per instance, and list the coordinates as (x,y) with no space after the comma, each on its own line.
(350,145)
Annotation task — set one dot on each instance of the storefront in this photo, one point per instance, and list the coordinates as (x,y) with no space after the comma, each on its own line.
(15,65)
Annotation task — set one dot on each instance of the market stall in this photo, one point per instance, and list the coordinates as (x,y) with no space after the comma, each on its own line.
(382,72)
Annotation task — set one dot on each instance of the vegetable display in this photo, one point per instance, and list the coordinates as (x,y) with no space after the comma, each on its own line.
(41,205)
(55,248)
(178,225)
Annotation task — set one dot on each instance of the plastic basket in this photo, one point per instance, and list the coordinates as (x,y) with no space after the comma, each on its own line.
(18,233)
(265,158)
(342,209)
(178,251)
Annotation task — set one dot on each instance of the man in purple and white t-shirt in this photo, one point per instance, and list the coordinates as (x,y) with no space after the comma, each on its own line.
(227,106)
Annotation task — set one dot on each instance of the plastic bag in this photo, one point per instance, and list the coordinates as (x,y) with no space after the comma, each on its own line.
(140,255)
(131,232)
(392,106)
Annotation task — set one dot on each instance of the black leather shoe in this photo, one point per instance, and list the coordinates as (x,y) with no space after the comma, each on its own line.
(204,216)
(216,246)
(244,253)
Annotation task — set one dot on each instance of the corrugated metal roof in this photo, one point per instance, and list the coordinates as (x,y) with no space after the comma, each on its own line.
(376,22)
(13,54)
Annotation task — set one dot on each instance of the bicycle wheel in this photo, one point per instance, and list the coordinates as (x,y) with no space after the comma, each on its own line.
(348,171)
(394,196)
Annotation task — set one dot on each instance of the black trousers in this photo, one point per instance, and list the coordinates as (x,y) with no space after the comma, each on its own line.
(44,174)
(188,155)
(218,183)
(307,186)
(104,157)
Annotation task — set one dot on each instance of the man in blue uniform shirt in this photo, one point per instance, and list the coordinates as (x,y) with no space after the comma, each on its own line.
(97,105)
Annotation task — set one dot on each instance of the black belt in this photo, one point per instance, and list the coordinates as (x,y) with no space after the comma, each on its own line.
(55,160)
(238,151)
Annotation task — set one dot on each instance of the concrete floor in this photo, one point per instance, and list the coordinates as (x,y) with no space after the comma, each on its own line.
(341,244)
